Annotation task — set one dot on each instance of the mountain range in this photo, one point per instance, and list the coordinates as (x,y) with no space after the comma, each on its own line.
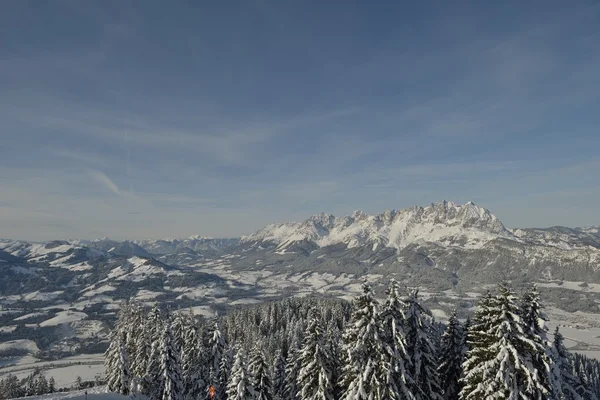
(440,247)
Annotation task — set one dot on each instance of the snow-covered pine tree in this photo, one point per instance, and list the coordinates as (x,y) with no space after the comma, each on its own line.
(223,377)
(51,385)
(535,329)
(190,363)
(216,347)
(316,366)
(261,377)
(451,358)
(170,367)
(364,372)
(566,384)
(422,353)
(292,369)
(179,325)
(240,386)
(333,341)
(151,381)
(118,376)
(135,330)
(499,363)
(399,381)
(278,375)
(151,384)
(143,346)
(465,338)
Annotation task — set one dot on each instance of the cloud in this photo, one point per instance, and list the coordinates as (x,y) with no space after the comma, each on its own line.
(106,181)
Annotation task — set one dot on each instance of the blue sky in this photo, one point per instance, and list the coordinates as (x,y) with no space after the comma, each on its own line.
(134,119)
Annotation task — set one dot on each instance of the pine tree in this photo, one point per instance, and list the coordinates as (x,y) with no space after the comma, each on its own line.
(143,345)
(535,330)
(240,386)
(51,385)
(261,379)
(316,369)
(170,367)
(191,363)
(118,376)
(41,385)
(292,369)
(418,328)
(223,377)
(279,375)
(364,371)
(398,381)
(499,363)
(451,358)
(216,347)
(567,385)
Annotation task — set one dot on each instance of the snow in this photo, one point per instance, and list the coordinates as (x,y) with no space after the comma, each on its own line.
(31,315)
(21,344)
(97,393)
(64,317)
(572,285)
(8,329)
(42,296)
(24,270)
(142,267)
(147,294)
(447,223)
(102,289)
(205,311)
(67,376)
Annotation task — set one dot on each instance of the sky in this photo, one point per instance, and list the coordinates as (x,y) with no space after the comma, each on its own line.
(153,119)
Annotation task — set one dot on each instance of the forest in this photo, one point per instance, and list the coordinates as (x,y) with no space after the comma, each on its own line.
(325,349)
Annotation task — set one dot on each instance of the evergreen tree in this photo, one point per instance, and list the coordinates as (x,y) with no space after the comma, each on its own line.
(51,385)
(118,377)
(499,362)
(279,376)
(292,369)
(451,358)
(364,371)
(316,369)
(423,370)
(170,366)
(223,377)
(261,378)
(152,381)
(398,380)
(143,344)
(192,363)
(240,386)
(535,330)
(217,346)
(41,385)
(567,385)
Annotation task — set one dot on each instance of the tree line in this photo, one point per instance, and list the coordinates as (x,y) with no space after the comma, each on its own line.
(317,349)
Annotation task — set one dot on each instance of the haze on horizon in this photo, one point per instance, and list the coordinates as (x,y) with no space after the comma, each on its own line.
(146,119)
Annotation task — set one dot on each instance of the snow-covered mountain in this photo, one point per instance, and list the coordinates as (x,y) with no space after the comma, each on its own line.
(200,244)
(446,223)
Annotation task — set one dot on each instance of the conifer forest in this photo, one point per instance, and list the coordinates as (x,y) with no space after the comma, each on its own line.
(326,349)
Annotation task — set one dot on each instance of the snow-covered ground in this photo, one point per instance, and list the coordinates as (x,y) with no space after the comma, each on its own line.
(64,317)
(96,393)
(64,371)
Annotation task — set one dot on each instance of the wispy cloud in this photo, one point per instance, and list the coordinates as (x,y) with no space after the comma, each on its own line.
(101,178)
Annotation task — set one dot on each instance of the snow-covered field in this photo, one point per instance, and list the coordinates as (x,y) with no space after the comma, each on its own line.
(97,393)
(64,371)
